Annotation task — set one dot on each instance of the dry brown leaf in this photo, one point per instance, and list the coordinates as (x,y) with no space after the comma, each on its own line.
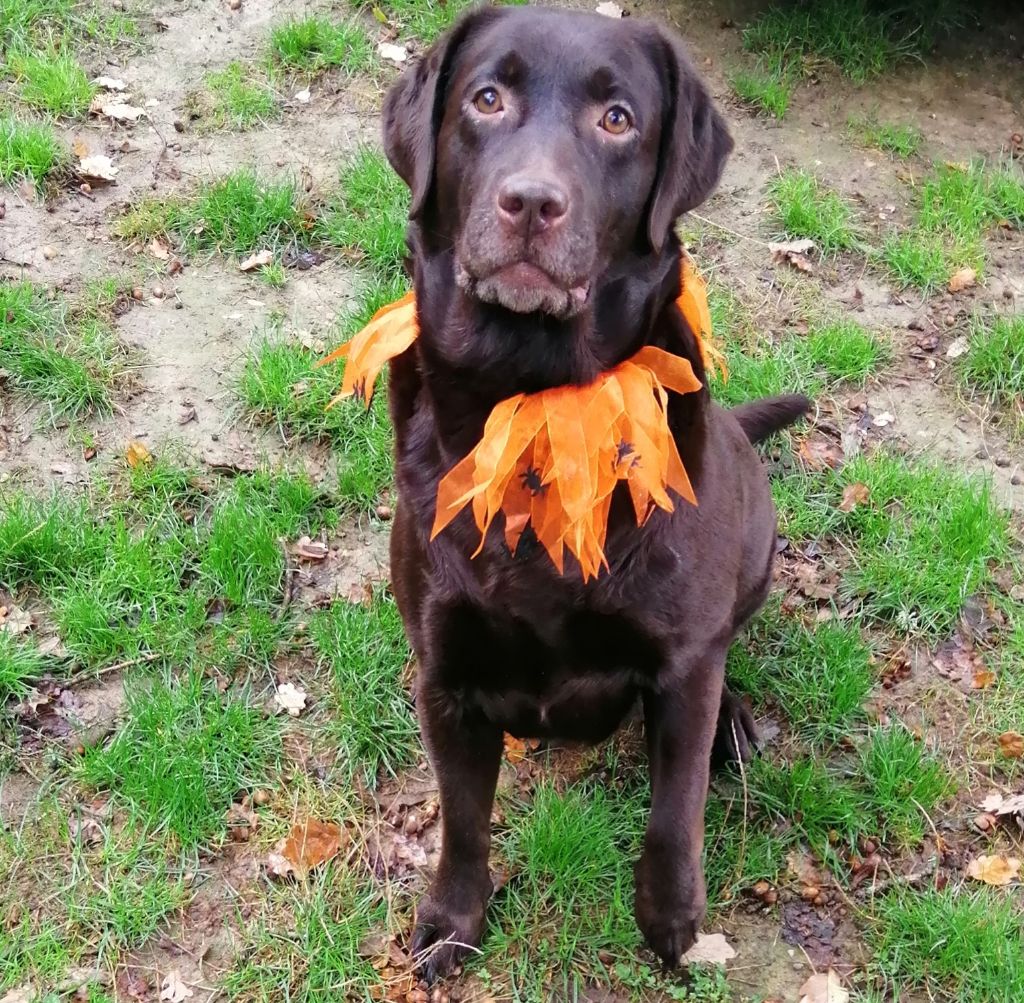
(982,679)
(516,748)
(819,453)
(173,990)
(116,110)
(1011,744)
(137,454)
(825,987)
(159,248)
(1003,805)
(310,550)
(793,252)
(709,949)
(290,698)
(395,53)
(957,347)
(258,260)
(80,148)
(97,168)
(109,83)
(963,279)
(854,495)
(19,994)
(307,846)
(14,621)
(994,869)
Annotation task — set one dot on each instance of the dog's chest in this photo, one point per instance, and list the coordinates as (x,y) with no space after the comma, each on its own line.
(574,677)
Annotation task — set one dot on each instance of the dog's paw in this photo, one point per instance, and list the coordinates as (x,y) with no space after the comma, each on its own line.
(669,909)
(736,735)
(443,937)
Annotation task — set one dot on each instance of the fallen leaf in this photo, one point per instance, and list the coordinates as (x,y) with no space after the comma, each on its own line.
(854,495)
(188,413)
(80,148)
(159,248)
(1003,805)
(137,454)
(709,949)
(258,260)
(1011,744)
(97,168)
(994,870)
(883,419)
(20,994)
(173,990)
(14,621)
(824,987)
(963,279)
(109,83)
(396,53)
(303,96)
(310,550)
(516,748)
(793,252)
(609,9)
(819,453)
(291,698)
(116,110)
(308,845)
(957,347)
(982,679)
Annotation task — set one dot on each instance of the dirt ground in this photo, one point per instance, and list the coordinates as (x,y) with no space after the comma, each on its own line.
(189,334)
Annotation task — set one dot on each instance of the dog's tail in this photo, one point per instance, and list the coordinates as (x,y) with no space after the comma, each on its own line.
(761,418)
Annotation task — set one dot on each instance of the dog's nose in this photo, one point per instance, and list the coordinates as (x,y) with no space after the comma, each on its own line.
(532,203)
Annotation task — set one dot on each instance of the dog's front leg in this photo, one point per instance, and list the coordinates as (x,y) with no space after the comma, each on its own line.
(680,719)
(466,756)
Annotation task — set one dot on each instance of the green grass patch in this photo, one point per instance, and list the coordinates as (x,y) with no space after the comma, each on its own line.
(901,141)
(917,259)
(993,366)
(365,652)
(240,99)
(314,44)
(72,361)
(804,207)
(183,755)
(20,664)
(818,675)
(369,214)
(766,87)
(236,214)
(963,944)
(53,82)
(30,150)
(860,38)
(27,24)
(919,547)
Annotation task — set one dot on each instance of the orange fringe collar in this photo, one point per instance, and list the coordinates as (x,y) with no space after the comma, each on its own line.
(553,459)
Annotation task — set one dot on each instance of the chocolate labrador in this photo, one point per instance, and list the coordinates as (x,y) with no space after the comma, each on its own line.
(549,154)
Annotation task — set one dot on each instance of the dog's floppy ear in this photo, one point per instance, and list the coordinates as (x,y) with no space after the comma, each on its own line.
(694,141)
(414,107)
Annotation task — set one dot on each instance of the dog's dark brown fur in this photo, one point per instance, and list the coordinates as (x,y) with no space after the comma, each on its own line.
(542,252)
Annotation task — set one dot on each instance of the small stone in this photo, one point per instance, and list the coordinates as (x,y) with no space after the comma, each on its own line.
(1016,480)
(810,892)
(179,126)
(771,897)
(1002,460)
(984,823)
(235,4)
(49,252)
(761,889)
(950,320)
(384,512)
(137,294)
(158,292)
(261,797)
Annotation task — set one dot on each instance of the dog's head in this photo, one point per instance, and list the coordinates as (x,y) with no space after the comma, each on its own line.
(542,146)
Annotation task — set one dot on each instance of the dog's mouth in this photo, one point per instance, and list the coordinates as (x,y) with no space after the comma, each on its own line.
(524,287)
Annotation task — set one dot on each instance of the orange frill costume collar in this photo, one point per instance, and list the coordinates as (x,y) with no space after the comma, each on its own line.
(552,459)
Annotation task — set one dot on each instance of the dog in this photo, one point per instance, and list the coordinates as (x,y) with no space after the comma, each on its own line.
(548,155)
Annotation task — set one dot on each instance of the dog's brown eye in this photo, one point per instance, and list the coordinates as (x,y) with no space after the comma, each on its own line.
(616,121)
(488,101)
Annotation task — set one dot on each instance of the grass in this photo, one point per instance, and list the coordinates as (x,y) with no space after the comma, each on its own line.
(235,214)
(240,100)
(924,542)
(767,87)
(314,44)
(803,207)
(901,141)
(26,24)
(818,675)
(368,216)
(30,151)
(365,652)
(993,366)
(834,352)
(20,664)
(966,944)
(957,204)
(70,360)
(858,38)
(53,82)
(183,755)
